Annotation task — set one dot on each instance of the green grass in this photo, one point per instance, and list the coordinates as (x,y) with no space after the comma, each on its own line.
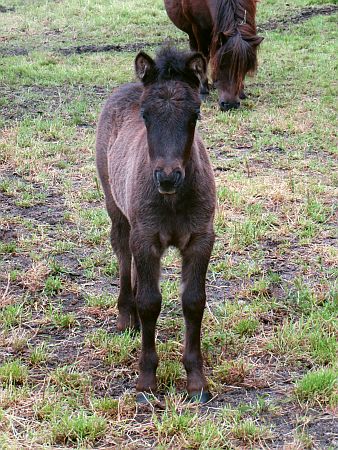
(79,428)
(13,372)
(269,330)
(319,386)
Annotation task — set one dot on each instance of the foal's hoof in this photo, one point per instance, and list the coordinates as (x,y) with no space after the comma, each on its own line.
(127,322)
(144,398)
(199,397)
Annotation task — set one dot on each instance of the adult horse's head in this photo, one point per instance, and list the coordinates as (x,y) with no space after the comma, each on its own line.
(170,107)
(234,50)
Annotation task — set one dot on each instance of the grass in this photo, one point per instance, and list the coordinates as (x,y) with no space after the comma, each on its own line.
(269,330)
(318,387)
(13,372)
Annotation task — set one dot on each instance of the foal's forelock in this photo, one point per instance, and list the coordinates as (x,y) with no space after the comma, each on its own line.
(170,111)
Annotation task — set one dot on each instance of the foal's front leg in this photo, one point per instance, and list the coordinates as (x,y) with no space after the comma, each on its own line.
(195,263)
(148,302)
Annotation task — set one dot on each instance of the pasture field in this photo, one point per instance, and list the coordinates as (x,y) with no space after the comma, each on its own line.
(270,328)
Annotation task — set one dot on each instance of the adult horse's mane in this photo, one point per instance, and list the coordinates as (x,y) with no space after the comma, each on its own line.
(235,30)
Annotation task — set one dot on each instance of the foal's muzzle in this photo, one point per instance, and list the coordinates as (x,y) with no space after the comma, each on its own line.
(168,184)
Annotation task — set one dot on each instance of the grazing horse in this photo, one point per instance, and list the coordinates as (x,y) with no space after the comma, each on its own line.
(224,31)
(159,191)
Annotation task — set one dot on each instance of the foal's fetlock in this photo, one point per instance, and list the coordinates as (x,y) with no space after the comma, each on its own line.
(146,382)
(147,376)
(127,321)
(197,387)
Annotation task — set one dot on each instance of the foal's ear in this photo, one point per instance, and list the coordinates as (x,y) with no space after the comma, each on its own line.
(145,67)
(198,64)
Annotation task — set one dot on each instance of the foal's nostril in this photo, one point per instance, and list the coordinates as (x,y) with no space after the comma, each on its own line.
(157,176)
(177,177)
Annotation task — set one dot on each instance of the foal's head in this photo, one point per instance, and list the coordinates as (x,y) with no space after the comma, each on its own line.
(170,107)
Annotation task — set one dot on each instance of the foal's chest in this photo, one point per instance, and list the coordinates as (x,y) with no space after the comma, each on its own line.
(175,238)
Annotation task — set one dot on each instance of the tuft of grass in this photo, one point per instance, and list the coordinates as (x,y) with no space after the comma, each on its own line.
(100,300)
(80,427)
(117,348)
(246,327)
(106,405)
(18,339)
(249,432)
(11,315)
(53,285)
(39,354)
(169,373)
(68,379)
(318,387)
(13,372)
(61,319)
(188,430)
(306,339)
(8,248)
(231,372)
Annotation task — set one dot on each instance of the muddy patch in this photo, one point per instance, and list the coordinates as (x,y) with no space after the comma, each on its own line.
(110,48)
(30,101)
(5,9)
(13,51)
(301,16)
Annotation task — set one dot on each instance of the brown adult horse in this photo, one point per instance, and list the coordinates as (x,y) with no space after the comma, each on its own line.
(225,32)
(159,191)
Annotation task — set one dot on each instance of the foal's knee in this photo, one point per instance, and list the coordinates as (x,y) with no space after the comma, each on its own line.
(148,303)
(193,303)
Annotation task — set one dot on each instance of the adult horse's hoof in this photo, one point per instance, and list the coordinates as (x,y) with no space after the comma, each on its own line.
(144,398)
(200,397)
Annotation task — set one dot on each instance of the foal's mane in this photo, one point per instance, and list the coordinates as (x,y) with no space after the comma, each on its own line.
(171,64)
(235,20)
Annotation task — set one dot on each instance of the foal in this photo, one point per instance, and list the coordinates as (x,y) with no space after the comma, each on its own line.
(159,190)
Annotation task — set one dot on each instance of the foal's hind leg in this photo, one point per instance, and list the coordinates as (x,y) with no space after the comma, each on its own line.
(120,231)
(195,263)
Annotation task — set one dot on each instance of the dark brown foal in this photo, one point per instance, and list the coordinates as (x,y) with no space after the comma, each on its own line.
(159,190)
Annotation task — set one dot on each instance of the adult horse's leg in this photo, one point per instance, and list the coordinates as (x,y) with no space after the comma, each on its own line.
(202,40)
(119,237)
(195,263)
(148,301)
